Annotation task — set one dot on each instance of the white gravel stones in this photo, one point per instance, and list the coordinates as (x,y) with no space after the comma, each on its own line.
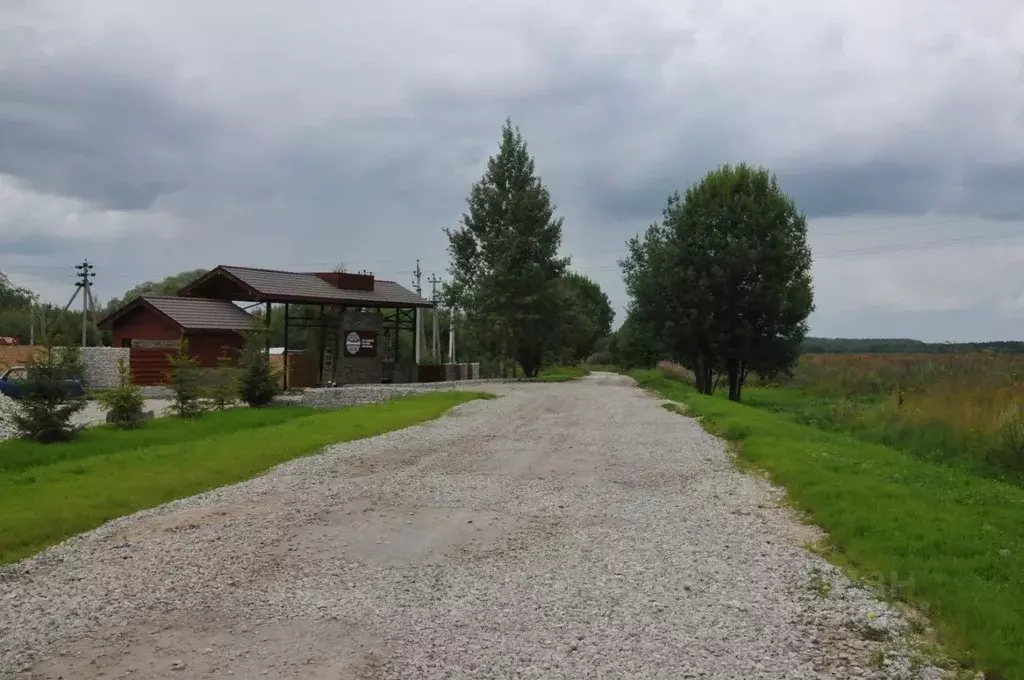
(7,430)
(575,530)
(335,397)
(101,365)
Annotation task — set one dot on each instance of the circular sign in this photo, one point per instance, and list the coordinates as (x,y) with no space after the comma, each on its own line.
(353,343)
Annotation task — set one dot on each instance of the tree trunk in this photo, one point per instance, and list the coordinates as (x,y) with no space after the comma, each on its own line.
(735,374)
(703,375)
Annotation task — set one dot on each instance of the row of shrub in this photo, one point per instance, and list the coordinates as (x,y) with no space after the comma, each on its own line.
(45,412)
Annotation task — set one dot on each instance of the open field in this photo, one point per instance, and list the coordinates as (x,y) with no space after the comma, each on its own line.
(51,492)
(965,410)
(947,541)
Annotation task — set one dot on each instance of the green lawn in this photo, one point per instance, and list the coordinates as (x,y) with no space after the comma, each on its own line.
(873,420)
(19,454)
(108,474)
(949,542)
(562,373)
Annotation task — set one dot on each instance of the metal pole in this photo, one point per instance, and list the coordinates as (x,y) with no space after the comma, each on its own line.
(285,345)
(268,331)
(451,338)
(419,333)
(32,323)
(85,304)
(435,338)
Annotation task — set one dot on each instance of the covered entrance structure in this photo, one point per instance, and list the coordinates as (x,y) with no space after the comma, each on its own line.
(357,322)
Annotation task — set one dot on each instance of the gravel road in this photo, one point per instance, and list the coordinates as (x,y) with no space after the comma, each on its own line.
(575,530)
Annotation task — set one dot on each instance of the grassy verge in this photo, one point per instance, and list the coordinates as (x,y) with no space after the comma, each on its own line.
(562,373)
(998,454)
(946,541)
(94,441)
(41,505)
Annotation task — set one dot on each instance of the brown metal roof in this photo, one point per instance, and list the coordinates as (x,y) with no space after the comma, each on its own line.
(279,286)
(192,314)
(202,314)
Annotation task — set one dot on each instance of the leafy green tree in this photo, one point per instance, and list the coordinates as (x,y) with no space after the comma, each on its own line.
(724,280)
(169,285)
(505,261)
(46,407)
(12,296)
(632,346)
(586,317)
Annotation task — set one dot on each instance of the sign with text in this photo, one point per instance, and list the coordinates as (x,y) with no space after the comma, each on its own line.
(360,344)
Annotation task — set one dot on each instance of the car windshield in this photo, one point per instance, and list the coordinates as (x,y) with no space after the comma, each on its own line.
(17,374)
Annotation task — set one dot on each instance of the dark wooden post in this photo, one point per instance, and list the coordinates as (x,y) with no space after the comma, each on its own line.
(323,346)
(268,331)
(285,358)
(394,365)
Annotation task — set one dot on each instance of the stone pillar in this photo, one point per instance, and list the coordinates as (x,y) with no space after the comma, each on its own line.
(359,370)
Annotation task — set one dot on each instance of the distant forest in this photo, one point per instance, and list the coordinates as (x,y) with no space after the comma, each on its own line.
(904,346)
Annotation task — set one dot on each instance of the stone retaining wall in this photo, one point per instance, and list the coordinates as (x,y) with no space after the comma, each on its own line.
(101,366)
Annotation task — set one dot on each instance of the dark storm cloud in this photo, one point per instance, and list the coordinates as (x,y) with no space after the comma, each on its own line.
(117,141)
(275,134)
(32,244)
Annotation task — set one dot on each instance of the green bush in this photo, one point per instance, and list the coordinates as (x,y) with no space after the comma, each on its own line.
(222,390)
(44,412)
(186,383)
(124,403)
(258,382)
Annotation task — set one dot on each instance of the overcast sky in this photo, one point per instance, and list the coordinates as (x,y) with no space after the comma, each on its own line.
(153,136)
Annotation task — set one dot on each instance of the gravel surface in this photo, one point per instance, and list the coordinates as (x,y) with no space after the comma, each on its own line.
(575,530)
(335,397)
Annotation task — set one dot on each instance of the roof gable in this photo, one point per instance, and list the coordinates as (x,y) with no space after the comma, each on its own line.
(189,314)
(268,285)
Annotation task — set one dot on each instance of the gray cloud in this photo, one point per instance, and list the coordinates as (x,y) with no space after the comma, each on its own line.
(279,135)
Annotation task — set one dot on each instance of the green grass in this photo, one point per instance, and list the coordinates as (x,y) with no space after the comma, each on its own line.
(94,441)
(43,504)
(946,541)
(878,420)
(562,373)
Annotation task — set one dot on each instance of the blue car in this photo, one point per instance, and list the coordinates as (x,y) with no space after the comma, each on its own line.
(10,383)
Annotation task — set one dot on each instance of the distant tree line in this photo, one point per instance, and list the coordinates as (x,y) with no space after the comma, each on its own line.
(23,315)
(905,346)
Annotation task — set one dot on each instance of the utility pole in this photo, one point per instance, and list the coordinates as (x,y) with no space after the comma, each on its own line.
(417,275)
(84,284)
(435,337)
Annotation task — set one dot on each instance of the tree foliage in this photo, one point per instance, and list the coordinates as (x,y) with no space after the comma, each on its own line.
(257,381)
(186,383)
(505,265)
(44,411)
(723,282)
(169,285)
(586,317)
(124,403)
(20,308)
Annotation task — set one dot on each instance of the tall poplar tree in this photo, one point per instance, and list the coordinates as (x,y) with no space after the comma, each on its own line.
(504,258)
